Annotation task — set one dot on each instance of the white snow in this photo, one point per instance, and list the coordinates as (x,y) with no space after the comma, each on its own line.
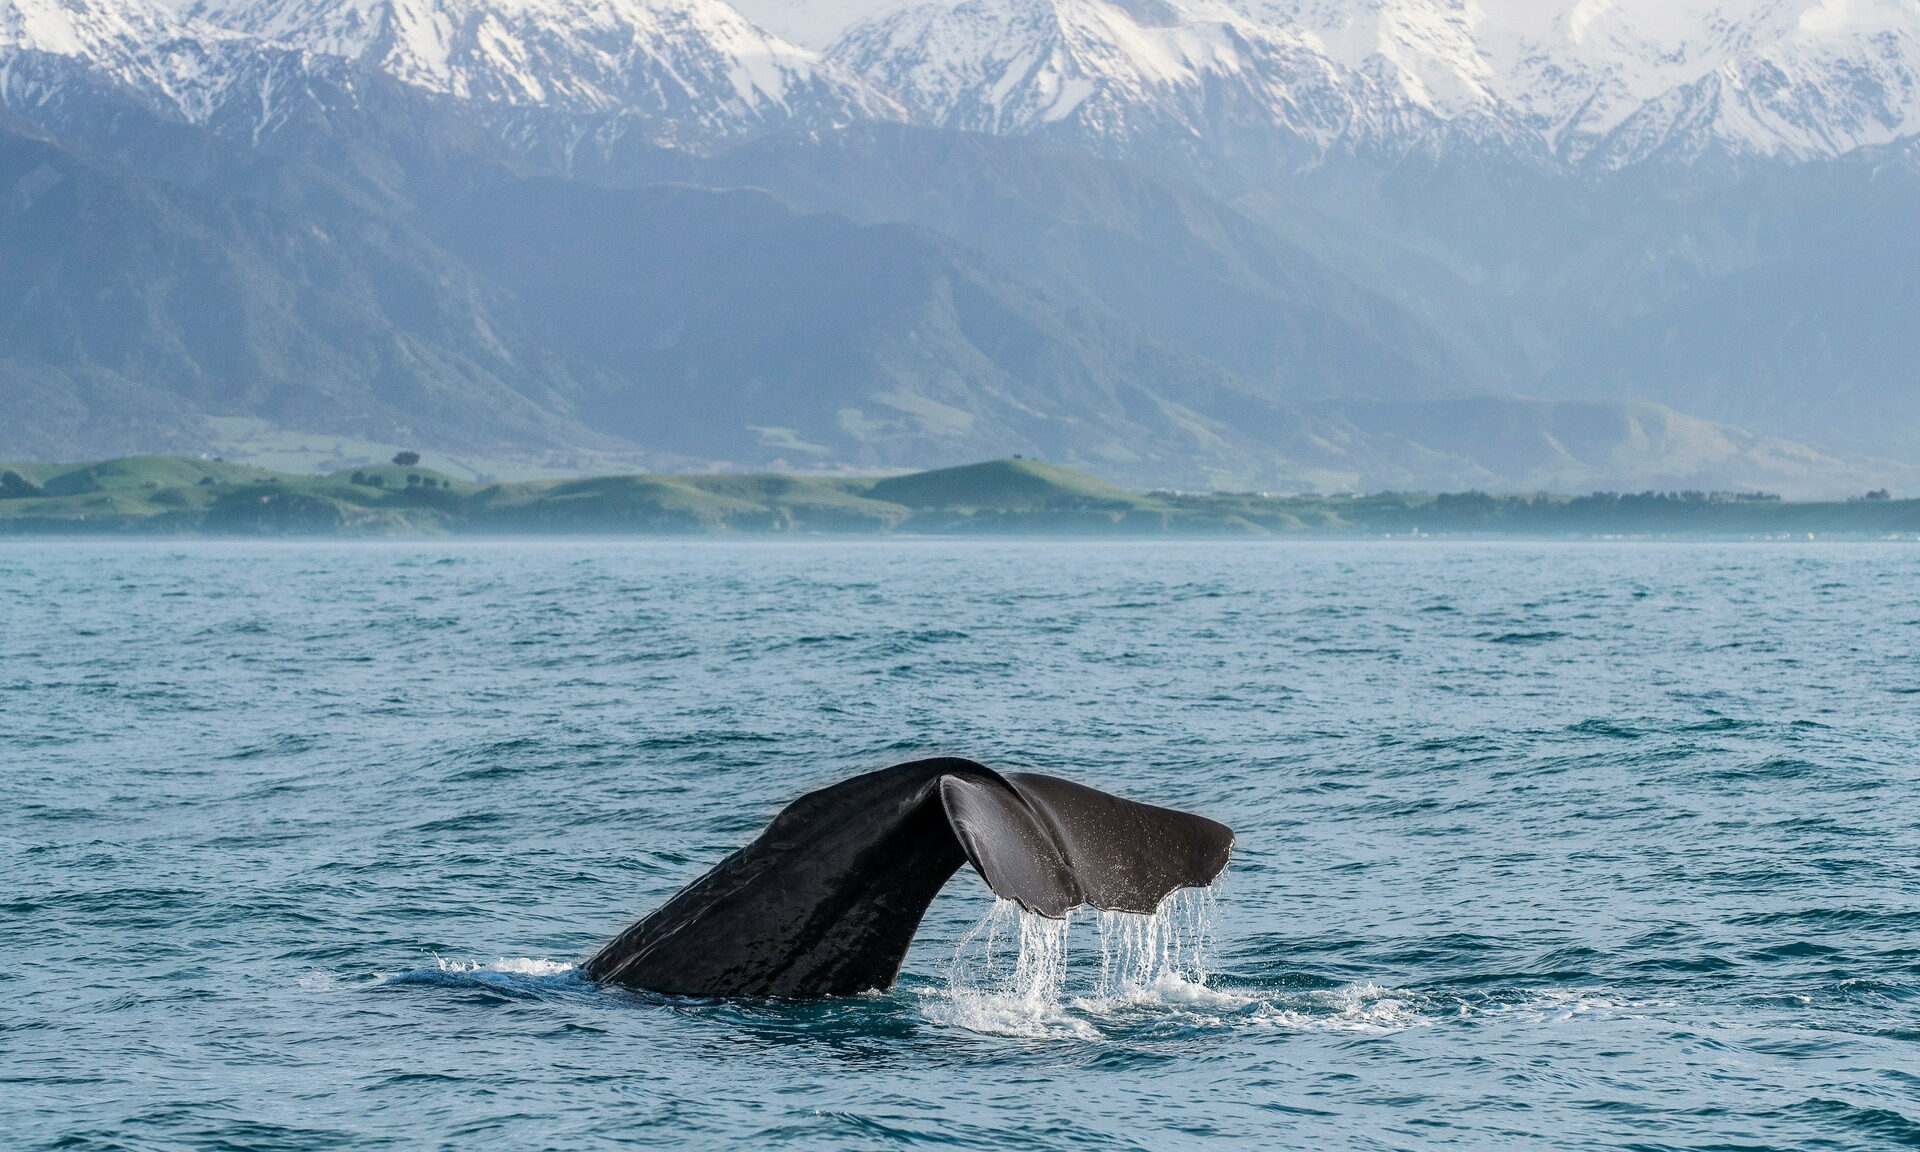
(175,62)
(696,62)
(1601,81)
(1613,79)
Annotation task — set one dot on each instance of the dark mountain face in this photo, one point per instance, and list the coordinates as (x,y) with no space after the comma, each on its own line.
(317,311)
(1769,294)
(1799,313)
(728,325)
(470,306)
(1762,292)
(1178,264)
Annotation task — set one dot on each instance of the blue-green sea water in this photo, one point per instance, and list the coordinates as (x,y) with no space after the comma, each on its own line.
(1539,845)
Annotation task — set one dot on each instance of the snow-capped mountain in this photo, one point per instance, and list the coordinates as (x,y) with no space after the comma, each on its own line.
(1601,81)
(1115,69)
(1628,77)
(688,72)
(698,62)
(1614,81)
(174,64)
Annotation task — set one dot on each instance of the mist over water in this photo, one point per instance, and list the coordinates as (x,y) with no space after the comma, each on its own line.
(1608,846)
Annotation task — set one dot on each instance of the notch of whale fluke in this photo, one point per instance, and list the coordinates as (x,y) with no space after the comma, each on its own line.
(826,900)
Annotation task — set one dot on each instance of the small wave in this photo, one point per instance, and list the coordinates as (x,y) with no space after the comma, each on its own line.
(1364,1007)
(289,744)
(517,967)
(1833,919)
(1720,724)
(1543,637)
(1599,726)
(1880,1123)
(1775,768)
(494,981)
(1556,1006)
(465,822)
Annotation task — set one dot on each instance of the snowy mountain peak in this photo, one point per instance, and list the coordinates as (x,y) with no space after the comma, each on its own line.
(1613,79)
(1579,72)
(177,65)
(82,28)
(1116,68)
(697,60)
(1600,82)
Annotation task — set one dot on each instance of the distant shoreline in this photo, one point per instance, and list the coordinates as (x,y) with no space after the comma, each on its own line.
(181,497)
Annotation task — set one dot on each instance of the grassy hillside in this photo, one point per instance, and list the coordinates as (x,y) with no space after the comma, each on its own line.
(680,504)
(181,496)
(1015,484)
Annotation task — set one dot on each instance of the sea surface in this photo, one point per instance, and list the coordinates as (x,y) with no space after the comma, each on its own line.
(1539,845)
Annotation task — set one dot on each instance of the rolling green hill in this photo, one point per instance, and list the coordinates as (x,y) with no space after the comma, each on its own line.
(170,495)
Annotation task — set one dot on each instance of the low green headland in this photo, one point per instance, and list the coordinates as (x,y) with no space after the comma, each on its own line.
(169,495)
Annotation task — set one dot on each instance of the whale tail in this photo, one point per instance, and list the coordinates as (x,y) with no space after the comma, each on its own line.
(827,899)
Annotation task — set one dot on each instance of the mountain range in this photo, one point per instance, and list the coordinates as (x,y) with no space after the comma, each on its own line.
(1268,243)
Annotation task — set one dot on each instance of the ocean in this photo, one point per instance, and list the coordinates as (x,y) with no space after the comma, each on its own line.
(1560,845)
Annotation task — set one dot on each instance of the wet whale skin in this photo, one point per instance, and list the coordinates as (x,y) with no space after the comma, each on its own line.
(827,899)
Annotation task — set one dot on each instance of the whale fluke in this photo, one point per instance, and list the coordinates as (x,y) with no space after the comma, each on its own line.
(826,900)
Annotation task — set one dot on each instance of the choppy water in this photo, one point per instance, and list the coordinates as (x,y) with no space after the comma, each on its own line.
(1539,845)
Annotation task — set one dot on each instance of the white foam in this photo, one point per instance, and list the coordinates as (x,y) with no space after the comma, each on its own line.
(1353,1008)
(512,967)
(1563,1005)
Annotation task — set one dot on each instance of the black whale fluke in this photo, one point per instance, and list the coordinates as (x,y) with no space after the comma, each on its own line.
(826,900)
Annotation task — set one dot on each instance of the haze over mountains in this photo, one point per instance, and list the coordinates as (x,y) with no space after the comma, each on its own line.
(1267,244)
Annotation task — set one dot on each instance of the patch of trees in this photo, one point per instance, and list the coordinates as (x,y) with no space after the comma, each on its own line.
(414,480)
(1687,497)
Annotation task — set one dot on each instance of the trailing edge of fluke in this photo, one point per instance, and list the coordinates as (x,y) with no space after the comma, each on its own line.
(826,900)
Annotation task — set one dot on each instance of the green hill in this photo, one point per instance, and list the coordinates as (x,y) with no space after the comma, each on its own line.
(1007,485)
(183,496)
(678,504)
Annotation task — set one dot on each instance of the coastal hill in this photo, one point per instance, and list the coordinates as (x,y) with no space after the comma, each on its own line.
(180,496)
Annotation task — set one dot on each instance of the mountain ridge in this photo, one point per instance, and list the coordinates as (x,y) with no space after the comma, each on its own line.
(1290,78)
(696,63)
(1799,80)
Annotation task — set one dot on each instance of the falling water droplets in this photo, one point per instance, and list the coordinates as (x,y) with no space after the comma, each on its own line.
(1013,974)
(1009,976)
(1149,957)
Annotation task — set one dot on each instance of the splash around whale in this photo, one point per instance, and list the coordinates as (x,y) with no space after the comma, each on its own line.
(826,900)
